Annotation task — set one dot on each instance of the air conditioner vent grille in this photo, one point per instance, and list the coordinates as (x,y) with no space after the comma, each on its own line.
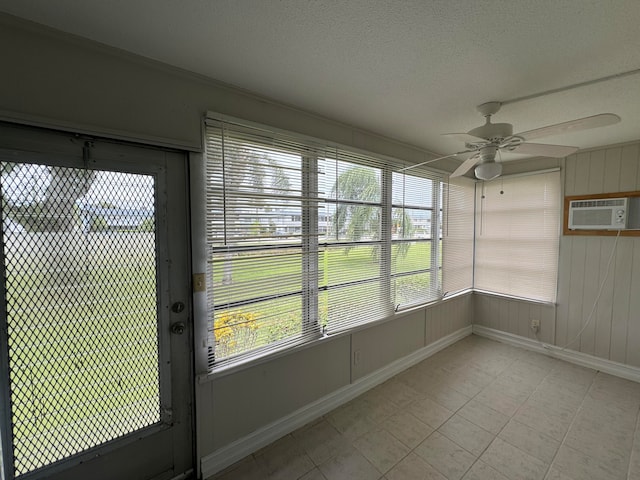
(612,202)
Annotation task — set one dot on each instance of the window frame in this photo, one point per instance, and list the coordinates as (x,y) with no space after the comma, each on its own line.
(311,243)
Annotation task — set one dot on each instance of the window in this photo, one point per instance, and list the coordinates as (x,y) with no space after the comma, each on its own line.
(517,235)
(414,239)
(458,233)
(308,240)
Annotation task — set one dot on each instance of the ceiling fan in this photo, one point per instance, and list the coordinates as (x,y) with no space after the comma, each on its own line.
(486,141)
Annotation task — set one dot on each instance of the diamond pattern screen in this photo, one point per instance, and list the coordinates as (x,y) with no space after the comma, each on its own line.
(81,309)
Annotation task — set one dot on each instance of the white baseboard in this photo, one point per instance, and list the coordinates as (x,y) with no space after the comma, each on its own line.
(607,366)
(228,455)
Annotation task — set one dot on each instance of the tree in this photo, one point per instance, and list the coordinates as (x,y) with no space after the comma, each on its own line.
(53,210)
(358,221)
(250,172)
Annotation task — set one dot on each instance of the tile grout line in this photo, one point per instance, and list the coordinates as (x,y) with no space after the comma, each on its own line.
(511,418)
(573,419)
(636,435)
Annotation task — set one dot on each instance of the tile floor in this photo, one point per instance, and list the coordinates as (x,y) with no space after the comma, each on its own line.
(478,410)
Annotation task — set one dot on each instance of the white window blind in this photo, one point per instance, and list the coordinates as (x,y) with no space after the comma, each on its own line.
(517,235)
(414,239)
(353,260)
(308,240)
(457,236)
(258,241)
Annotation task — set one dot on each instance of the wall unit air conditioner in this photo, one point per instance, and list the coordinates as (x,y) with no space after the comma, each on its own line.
(605,214)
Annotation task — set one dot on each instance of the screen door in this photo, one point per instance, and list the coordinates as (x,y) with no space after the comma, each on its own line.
(94,240)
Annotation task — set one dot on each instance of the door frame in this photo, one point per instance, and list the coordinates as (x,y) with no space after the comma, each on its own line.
(173,273)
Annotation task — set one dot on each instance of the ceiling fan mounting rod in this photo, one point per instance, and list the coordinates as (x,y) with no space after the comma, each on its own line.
(489,108)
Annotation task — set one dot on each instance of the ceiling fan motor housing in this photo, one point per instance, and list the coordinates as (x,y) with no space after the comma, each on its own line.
(493,132)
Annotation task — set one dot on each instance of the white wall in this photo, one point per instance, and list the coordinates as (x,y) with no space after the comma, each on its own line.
(614,332)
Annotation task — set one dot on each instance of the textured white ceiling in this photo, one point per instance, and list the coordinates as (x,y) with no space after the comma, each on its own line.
(410,70)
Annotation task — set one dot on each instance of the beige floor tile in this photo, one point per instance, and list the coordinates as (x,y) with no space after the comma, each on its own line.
(531,374)
(573,376)
(580,466)
(499,401)
(321,441)
(538,359)
(469,436)
(429,412)
(512,462)
(314,474)
(375,409)
(381,448)
(350,421)
(399,393)
(460,382)
(412,467)
(284,459)
(349,465)
(552,401)
(550,424)
(245,469)
(446,396)
(483,416)
(407,428)
(554,474)
(445,456)
(611,454)
(493,365)
(530,441)
(482,471)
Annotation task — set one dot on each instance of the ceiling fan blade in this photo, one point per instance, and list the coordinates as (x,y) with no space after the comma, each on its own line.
(465,138)
(601,120)
(543,150)
(467,165)
(434,160)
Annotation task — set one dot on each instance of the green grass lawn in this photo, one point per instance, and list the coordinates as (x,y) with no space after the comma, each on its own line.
(83,347)
(254,325)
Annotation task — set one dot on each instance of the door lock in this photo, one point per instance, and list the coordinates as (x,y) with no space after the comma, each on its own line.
(177,307)
(178,328)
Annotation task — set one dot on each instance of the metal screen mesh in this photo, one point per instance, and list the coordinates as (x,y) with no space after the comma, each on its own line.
(81,303)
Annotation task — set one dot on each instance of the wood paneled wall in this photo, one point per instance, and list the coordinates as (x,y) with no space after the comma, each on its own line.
(614,330)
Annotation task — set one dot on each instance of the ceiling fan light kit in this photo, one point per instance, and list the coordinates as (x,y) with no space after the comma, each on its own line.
(488,171)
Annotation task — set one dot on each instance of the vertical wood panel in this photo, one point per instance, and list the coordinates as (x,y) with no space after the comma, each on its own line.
(428,326)
(504,316)
(575,319)
(621,298)
(582,173)
(524,317)
(590,291)
(605,303)
(633,335)
(612,170)
(630,158)
(564,283)
(596,172)
(493,312)
(570,175)
(514,312)
(547,324)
